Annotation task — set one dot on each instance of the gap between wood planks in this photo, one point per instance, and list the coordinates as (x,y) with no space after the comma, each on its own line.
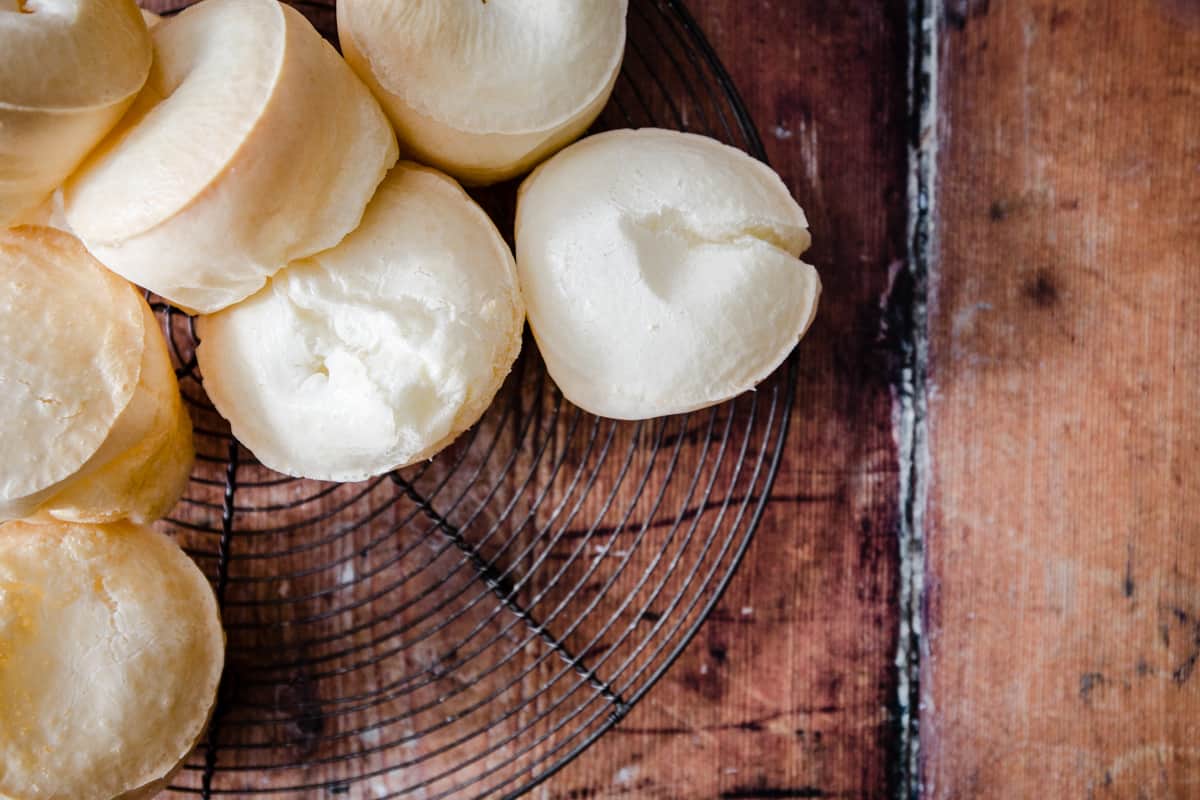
(907,304)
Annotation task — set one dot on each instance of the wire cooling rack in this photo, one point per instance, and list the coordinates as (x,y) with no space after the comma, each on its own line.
(468,626)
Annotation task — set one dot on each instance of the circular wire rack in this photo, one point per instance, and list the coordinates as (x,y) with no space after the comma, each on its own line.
(468,626)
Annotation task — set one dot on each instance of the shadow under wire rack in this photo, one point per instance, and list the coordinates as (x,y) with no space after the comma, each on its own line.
(466,627)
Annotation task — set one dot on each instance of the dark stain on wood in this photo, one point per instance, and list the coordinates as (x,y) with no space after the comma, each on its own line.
(704,681)
(897,324)
(960,12)
(1186,12)
(1060,17)
(1041,289)
(756,725)
(298,702)
(756,792)
(633,527)
(1182,673)
(1127,585)
(1001,209)
(1089,681)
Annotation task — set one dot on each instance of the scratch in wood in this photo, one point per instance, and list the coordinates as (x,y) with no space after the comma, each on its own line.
(1127,586)
(1184,670)
(750,792)
(908,307)
(634,527)
(756,725)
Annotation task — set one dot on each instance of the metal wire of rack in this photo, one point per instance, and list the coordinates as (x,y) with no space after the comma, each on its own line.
(468,626)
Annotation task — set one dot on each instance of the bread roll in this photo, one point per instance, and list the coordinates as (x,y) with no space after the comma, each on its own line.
(486,90)
(379,352)
(252,144)
(111,650)
(661,271)
(49,214)
(143,467)
(68,70)
(90,412)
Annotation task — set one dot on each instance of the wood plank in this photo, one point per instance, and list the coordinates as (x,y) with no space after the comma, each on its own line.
(786,691)
(1064,524)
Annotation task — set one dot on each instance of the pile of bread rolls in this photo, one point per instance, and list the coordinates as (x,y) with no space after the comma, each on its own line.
(356,312)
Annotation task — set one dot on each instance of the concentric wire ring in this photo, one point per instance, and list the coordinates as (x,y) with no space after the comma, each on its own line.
(468,626)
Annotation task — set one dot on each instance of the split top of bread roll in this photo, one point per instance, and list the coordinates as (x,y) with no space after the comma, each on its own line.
(111,650)
(661,271)
(71,341)
(377,353)
(252,144)
(484,90)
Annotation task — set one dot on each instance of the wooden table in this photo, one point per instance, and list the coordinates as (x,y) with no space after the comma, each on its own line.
(982,572)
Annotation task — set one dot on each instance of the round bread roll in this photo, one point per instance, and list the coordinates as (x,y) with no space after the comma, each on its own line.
(377,353)
(90,411)
(69,69)
(486,90)
(143,467)
(65,385)
(111,650)
(661,271)
(252,144)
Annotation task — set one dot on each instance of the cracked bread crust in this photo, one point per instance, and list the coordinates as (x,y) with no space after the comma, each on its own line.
(111,650)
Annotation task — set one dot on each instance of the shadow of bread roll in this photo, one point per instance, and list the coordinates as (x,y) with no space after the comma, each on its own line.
(376,353)
(111,651)
(251,145)
(90,411)
(662,271)
(68,70)
(484,91)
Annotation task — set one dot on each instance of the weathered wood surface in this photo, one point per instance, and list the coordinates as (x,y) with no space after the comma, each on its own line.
(787,690)
(1064,518)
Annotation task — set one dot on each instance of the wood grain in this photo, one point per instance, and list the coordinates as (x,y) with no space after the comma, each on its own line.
(787,690)
(1064,586)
